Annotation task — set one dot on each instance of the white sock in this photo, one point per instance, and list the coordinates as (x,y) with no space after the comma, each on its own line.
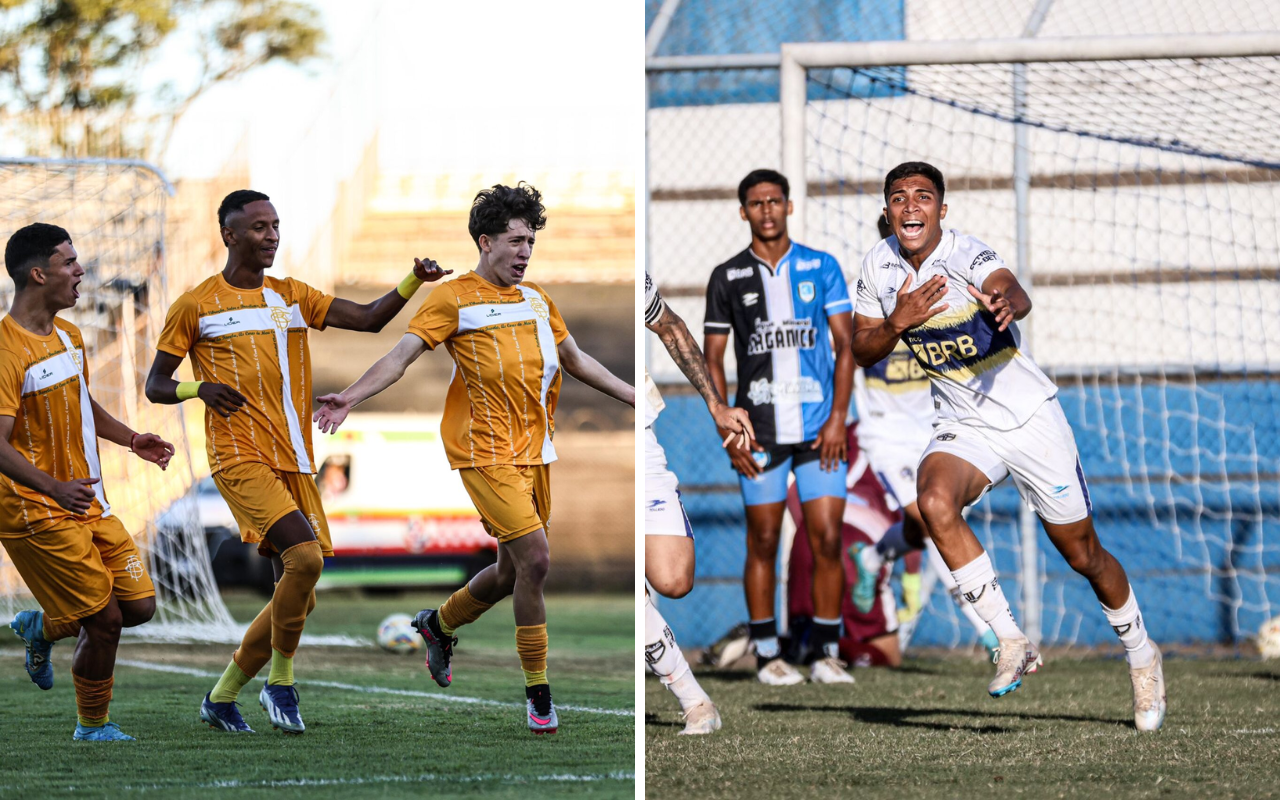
(977,582)
(1127,623)
(949,583)
(893,543)
(667,662)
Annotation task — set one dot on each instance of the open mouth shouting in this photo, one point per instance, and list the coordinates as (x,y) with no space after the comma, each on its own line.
(911,230)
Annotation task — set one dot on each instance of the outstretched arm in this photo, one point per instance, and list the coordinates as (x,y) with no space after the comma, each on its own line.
(334,408)
(74,495)
(371,317)
(592,372)
(683,348)
(146,446)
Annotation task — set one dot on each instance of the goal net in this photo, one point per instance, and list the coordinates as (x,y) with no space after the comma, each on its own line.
(1134,185)
(115,213)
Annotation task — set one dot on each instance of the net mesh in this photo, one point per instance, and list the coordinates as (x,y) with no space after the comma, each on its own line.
(115,214)
(1153,261)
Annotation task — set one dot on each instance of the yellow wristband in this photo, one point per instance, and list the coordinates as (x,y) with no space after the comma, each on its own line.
(188,389)
(408,286)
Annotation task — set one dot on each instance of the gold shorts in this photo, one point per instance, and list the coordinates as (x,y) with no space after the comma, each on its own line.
(260,496)
(512,500)
(73,567)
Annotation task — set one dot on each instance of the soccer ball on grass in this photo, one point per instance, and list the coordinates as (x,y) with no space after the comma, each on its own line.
(1269,638)
(396,634)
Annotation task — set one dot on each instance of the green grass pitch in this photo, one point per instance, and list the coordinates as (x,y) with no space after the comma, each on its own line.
(931,731)
(357,743)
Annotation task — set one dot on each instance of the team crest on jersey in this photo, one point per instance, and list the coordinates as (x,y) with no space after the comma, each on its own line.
(75,358)
(540,308)
(807,292)
(281,317)
(134,567)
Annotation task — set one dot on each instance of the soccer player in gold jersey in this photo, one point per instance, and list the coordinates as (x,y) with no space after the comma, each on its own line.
(510,346)
(56,524)
(246,335)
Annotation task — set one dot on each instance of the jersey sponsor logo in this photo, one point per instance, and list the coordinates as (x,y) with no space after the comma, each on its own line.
(741,272)
(231,321)
(804,265)
(653,505)
(945,437)
(45,374)
(889,265)
(861,285)
(982,258)
(807,291)
(763,392)
(750,298)
(940,352)
(493,312)
(789,334)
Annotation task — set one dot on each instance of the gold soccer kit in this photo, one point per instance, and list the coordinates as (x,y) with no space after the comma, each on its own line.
(499,410)
(255,341)
(71,563)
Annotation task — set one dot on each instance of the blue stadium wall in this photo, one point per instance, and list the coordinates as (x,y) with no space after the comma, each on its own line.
(1163,531)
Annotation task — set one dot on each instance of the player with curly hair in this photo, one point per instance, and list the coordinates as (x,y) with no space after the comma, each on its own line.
(510,348)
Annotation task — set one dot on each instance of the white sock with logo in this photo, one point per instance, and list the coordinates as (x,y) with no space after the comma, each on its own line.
(978,584)
(667,662)
(949,583)
(1127,623)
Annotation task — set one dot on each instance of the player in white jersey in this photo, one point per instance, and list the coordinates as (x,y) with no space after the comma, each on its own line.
(954,302)
(668,536)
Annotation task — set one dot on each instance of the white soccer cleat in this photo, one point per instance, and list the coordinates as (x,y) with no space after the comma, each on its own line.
(1013,658)
(1149,701)
(779,673)
(829,670)
(701,719)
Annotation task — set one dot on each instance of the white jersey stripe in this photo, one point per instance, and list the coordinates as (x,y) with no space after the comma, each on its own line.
(788,413)
(281,336)
(550,366)
(249,319)
(87,429)
(475,317)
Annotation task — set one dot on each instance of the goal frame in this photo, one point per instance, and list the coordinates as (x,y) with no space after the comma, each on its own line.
(796,59)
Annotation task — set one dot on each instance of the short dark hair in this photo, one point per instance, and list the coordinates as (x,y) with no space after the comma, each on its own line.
(758,176)
(236,201)
(494,208)
(909,168)
(31,246)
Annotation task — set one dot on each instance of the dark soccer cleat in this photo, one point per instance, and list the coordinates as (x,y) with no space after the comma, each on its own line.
(223,716)
(540,710)
(281,704)
(439,646)
(29,626)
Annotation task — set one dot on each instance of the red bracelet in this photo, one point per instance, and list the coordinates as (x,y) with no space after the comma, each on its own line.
(131,440)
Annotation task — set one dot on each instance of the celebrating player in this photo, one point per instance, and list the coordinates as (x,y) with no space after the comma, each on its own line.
(509,346)
(779,299)
(246,334)
(668,544)
(76,558)
(955,303)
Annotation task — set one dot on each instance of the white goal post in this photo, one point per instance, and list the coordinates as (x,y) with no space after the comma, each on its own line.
(1169,161)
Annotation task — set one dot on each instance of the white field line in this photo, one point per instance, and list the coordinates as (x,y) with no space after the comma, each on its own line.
(351,687)
(376,779)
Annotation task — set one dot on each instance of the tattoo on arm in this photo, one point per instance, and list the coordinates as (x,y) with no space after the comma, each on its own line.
(688,357)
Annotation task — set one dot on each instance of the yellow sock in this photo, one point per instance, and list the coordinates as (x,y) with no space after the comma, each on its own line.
(228,687)
(92,722)
(281,669)
(531,644)
(460,609)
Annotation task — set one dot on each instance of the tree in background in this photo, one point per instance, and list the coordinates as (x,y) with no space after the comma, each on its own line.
(71,71)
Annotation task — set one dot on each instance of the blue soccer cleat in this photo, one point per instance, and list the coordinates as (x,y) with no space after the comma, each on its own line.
(281,704)
(107,732)
(223,716)
(29,626)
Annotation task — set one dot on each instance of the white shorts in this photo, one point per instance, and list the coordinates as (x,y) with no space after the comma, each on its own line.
(895,467)
(663,512)
(1041,456)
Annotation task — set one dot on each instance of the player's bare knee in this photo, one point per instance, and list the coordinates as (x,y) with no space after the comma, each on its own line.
(137,612)
(1087,558)
(105,625)
(938,509)
(672,586)
(533,568)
